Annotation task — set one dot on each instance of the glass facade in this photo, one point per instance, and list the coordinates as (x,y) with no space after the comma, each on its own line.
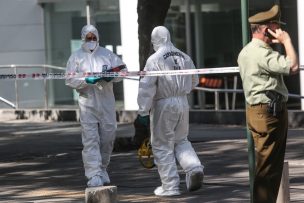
(213,38)
(63,23)
(210,31)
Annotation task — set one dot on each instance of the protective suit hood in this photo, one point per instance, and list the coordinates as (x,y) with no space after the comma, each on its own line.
(89,29)
(160,36)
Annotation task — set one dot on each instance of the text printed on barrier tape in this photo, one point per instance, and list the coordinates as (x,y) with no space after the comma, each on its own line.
(50,76)
(123,74)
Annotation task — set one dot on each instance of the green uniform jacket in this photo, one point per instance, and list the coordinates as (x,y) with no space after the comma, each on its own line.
(261,69)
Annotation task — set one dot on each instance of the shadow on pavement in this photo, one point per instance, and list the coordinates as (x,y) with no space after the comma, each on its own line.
(41,162)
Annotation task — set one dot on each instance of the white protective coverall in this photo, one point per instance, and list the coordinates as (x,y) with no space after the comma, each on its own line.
(166,98)
(97,105)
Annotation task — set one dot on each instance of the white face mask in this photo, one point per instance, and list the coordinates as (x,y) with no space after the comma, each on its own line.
(156,47)
(91,45)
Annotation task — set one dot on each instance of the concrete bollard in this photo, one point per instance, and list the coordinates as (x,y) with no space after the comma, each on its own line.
(284,195)
(103,194)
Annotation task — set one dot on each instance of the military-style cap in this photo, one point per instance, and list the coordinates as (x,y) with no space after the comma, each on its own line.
(271,16)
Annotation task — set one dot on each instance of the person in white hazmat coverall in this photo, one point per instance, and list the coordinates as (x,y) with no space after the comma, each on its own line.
(96,104)
(165,97)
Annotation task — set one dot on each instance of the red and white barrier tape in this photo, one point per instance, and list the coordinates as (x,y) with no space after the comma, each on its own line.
(123,74)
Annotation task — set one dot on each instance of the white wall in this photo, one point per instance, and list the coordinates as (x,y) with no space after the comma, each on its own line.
(130,44)
(21,32)
(300,5)
(21,42)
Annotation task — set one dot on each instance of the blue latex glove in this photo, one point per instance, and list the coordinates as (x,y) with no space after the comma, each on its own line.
(92,80)
(144,120)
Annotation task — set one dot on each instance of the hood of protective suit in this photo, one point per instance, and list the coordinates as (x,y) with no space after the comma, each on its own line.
(160,37)
(89,29)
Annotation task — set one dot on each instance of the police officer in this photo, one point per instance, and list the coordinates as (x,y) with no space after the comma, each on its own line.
(262,70)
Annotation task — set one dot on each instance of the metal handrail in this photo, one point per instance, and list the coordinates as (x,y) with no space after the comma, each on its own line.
(32,66)
(219,90)
(296,96)
(15,67)
(7,102)
(216,92)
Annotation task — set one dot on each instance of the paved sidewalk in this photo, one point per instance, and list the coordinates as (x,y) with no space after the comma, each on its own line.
(41,162)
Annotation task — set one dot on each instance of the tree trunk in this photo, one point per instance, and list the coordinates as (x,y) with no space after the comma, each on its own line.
(151,13)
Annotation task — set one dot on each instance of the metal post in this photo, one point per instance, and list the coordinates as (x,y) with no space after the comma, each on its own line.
(244,11)
(234,93)
(188,43)
(251,162)
(226,93)
(188,27)
(284,193)
(250,143)
(198,34)
(45,90)
(49,54)
(88,12)
(16,89)
(216,102)
(199,46)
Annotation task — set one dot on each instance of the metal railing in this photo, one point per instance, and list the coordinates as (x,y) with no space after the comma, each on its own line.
(217,97)
(44,68)
(226,91)
(7,102)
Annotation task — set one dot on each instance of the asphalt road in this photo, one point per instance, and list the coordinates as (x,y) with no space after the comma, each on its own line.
(41,162)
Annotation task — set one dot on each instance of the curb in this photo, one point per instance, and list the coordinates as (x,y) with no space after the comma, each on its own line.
(222,117)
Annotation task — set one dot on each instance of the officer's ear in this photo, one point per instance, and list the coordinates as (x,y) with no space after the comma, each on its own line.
(254,28)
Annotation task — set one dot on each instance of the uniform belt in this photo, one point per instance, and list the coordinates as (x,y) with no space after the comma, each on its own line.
(263,104)
(257,105)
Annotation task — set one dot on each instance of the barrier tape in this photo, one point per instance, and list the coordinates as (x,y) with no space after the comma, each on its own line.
(123,74)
